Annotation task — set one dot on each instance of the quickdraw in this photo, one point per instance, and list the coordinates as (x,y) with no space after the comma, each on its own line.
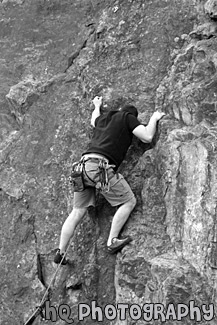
(104,180)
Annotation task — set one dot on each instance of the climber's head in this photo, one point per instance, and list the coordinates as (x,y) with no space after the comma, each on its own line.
(130,109)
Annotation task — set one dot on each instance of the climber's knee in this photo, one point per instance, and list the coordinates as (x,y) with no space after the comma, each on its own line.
(131,203)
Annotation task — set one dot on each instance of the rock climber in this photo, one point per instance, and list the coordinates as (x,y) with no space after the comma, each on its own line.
(112,136)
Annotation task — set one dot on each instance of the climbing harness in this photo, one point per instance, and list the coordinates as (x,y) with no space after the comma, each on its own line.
(103,165)
(104,179)
(46,296)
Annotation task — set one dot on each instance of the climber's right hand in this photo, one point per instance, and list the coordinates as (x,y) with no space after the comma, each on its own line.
(158,115)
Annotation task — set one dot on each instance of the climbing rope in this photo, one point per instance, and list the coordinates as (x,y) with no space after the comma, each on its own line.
(39,308)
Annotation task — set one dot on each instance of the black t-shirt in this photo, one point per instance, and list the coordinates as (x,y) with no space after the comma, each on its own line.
(113,135)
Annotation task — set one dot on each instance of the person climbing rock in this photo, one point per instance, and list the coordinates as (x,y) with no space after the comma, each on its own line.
(112,136)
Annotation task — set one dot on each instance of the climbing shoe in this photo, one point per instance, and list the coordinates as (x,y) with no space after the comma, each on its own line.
(58,258)
(118,244)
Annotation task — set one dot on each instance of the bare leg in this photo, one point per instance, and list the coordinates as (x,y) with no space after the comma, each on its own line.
(120,217)
(69,227)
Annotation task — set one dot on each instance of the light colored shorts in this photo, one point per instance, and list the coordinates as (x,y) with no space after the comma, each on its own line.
(119,190)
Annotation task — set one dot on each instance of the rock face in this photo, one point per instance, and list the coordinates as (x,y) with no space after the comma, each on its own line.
(55,57)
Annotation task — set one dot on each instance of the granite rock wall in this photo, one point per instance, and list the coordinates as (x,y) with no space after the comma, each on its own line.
(55,57)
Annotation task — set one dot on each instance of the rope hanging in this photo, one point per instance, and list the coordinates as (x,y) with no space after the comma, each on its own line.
(39,308)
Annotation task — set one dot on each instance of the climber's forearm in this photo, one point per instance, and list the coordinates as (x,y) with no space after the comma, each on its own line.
(151,128)
(97,101)
(146,133)
(95,114)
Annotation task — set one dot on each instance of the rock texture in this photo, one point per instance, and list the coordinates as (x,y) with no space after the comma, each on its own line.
(55,57)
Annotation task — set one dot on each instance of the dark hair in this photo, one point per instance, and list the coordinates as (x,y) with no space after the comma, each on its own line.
(130,109)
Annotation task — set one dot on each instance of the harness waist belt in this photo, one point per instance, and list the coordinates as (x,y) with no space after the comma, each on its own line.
(94,156)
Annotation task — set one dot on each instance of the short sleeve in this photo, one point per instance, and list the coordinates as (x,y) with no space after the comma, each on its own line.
(132,122)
